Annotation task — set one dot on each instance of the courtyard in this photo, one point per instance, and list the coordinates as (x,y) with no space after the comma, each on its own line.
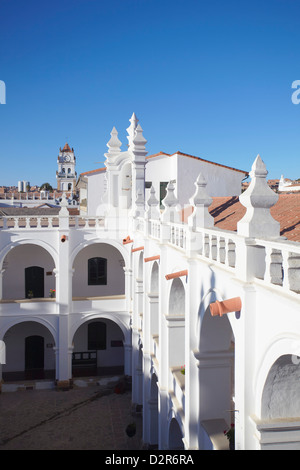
(87,417)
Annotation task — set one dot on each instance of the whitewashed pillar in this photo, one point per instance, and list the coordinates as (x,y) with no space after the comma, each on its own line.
(138,150)
(200,217)
(114,150)
(63,274)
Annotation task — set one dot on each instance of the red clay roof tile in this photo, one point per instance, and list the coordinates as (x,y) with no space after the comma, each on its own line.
(227,211)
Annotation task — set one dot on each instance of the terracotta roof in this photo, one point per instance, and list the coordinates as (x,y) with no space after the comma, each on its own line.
(93,171)
(227,211)
(196,158)
(66,148)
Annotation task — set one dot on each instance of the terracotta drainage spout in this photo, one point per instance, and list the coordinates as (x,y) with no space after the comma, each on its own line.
(127,240)
(152,258)
(137,249)
(175,275)
(226,306)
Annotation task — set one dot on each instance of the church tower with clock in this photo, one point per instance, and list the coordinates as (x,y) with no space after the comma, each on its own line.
(66,174)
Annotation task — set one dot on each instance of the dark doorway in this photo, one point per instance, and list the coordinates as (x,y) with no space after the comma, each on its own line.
(34,357)
(34,282)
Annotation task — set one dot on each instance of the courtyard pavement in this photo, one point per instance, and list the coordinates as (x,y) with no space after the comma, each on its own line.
(87,417)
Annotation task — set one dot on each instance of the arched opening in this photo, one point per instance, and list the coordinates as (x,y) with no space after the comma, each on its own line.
(281,394)
(216,374)
(153,406)
(30,352)
(98,271)
(98,349)
(154,286)
(154,302)
(27,272)
(175,436)
(176,324)
(177,298)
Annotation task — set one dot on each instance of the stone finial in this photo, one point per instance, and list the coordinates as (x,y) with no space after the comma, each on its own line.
(170,202)
(138,146)
(258,199)
(131,129)
(64,206)
(200,202)
(153,211)
(114,144)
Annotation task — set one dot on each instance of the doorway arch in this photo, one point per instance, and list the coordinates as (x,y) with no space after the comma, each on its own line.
(30,351)
(34,357)
(34,282)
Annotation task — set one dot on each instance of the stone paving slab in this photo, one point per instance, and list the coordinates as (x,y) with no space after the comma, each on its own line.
(89,417)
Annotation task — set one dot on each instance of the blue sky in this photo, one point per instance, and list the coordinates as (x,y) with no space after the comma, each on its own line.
(209,78)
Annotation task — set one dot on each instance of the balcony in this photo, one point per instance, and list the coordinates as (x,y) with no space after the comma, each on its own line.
(108,304)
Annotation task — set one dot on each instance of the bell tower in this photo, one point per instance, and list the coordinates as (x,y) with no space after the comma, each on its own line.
(66,175)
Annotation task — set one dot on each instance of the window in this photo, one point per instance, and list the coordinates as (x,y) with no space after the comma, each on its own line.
(96,336)
(97,272)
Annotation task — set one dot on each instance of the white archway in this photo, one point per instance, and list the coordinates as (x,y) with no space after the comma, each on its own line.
(26,359)
(285,350)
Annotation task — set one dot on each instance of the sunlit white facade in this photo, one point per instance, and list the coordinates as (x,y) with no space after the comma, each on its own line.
(147,284)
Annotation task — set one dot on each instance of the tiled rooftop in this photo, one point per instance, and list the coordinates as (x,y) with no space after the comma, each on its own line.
(227,211)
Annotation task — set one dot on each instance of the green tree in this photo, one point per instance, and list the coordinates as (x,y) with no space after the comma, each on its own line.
(46,187)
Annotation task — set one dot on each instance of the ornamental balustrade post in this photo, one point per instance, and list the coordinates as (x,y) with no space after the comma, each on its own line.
(258,199)
(170,214)
(152,212)
(200,217)
(257,222)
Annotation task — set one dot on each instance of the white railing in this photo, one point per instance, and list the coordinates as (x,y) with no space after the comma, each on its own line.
(178,235)
(48,222)
(218,245)
(277,263)
(281,264)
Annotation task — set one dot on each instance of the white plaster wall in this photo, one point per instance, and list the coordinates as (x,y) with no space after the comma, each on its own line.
(185,170)
(160,169)
(15,263)
(220,181)
(111,356)
(115,273)
(95,191)
(14,340)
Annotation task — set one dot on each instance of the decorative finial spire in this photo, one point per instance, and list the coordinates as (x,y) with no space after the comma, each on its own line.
(258,199)
(170,202)
(131,129)
(114,144)
(201,201)
(153,206)
(139,143)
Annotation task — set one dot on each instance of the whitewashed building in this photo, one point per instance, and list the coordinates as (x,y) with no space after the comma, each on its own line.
(137,290)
